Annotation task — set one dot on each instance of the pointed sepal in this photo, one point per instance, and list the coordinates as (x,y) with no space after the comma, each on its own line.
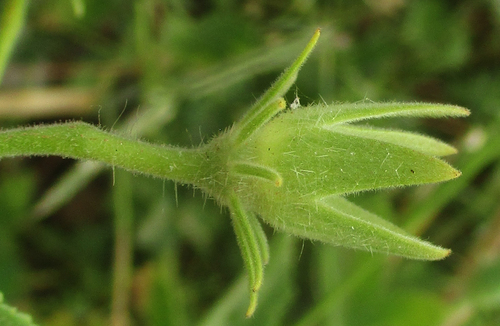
(250,247)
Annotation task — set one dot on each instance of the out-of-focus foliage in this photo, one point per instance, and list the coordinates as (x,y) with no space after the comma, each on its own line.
(179,70)
(9,316)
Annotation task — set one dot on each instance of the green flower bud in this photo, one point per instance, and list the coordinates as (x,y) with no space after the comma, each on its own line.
(320,157)
(294,171)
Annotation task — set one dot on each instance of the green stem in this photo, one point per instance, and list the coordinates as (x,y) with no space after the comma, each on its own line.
(80,140)
(74,179)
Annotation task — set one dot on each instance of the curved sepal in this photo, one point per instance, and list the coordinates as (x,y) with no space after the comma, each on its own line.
(250,247)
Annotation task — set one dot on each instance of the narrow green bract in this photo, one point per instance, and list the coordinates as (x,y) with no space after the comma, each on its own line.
(293,169)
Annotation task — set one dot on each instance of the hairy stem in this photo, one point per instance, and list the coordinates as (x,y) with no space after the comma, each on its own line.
(80,140)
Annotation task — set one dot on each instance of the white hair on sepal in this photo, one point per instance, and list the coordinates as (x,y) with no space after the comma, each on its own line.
(295,104)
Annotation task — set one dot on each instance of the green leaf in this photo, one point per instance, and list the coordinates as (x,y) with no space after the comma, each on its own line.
(9,316)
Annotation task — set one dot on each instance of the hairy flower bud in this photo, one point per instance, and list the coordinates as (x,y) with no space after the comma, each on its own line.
(321,157)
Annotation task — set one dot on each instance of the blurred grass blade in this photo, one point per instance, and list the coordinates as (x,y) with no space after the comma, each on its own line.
(123,248)
(471,164)
(275,298)
(9,316)
(11,24)
(420,143)
(230,304)
(259,61)
(78,8)
(66,187)
(355,280)
(168,294)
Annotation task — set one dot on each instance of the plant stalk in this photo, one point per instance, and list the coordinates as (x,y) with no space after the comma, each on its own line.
(79,140)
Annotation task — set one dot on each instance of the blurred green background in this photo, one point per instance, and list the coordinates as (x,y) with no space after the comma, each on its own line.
(81,245)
